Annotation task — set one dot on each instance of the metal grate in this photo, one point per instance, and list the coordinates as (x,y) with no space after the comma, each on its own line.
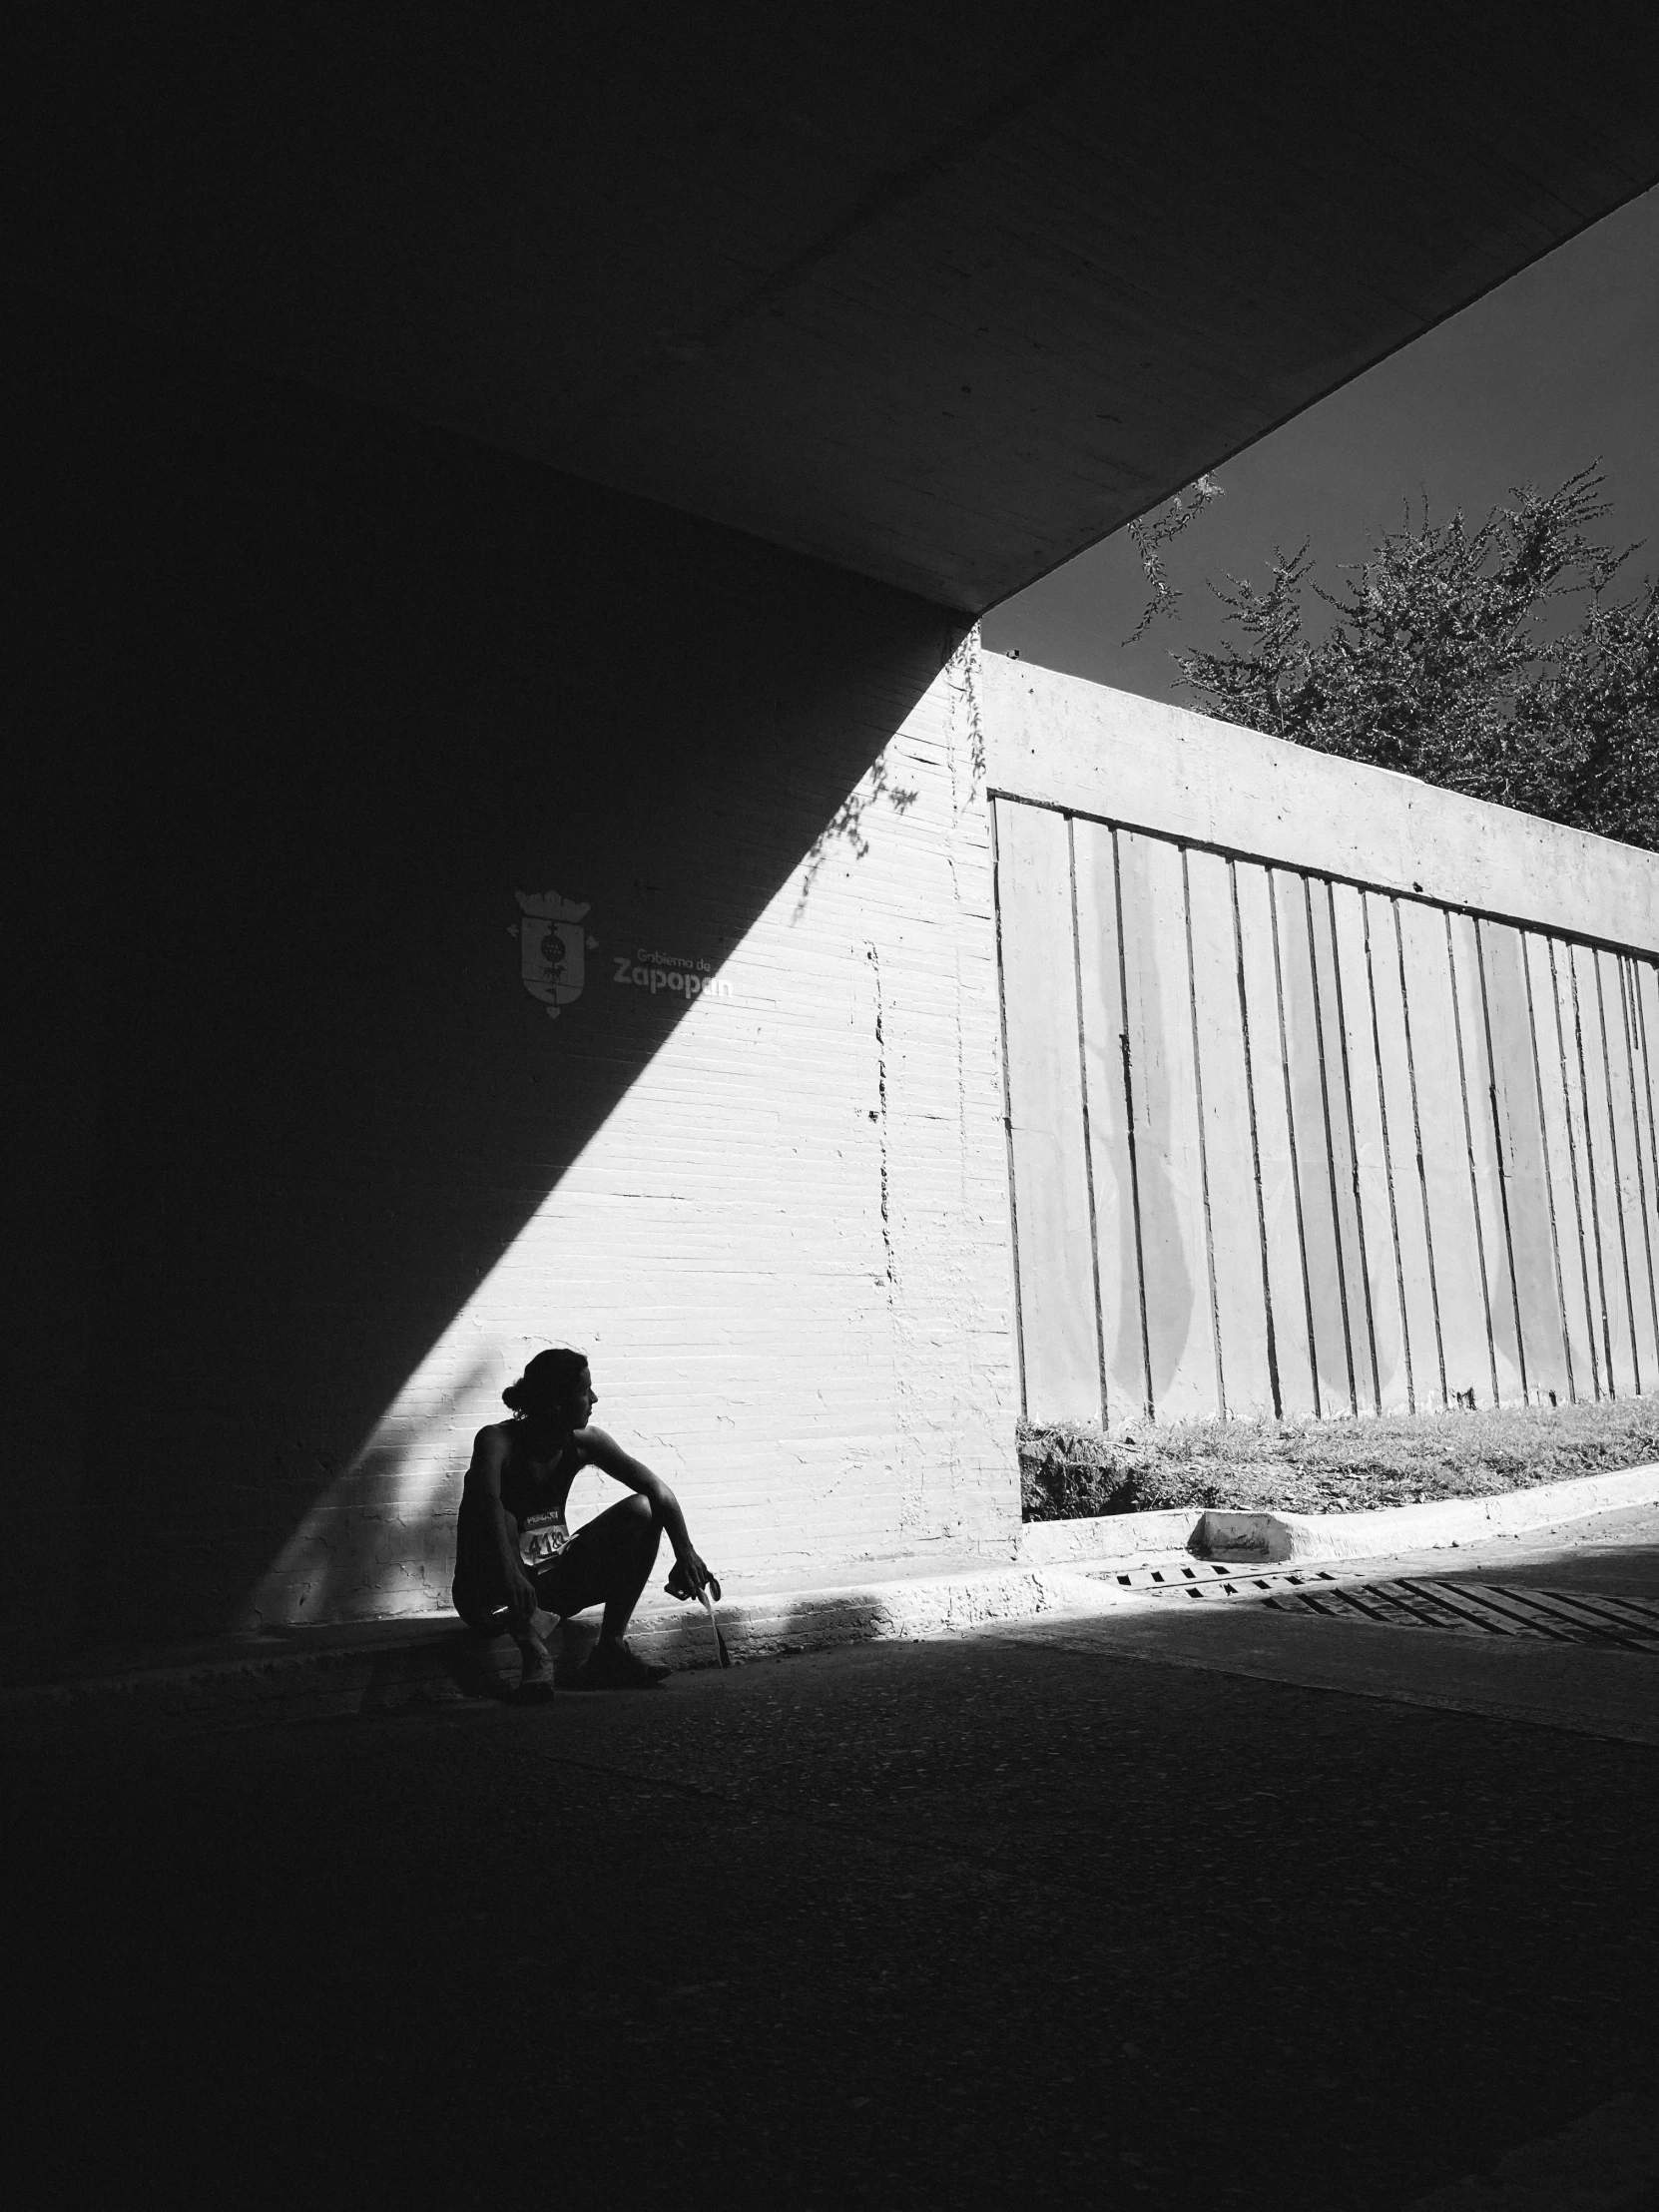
(1486,1609)
(1207,1579)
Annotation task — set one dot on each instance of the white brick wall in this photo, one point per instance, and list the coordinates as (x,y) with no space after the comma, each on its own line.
(791,1238)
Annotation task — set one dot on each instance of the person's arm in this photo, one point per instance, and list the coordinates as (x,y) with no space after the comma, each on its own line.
(489,1452)
(604,1453)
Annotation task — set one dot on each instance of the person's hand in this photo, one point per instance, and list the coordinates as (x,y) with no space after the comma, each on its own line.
(689,1577)
(521,1600)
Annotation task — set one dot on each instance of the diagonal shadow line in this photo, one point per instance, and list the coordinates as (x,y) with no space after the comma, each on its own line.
(308,692)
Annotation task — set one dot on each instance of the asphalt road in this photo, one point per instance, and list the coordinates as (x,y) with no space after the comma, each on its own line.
(1020,1918)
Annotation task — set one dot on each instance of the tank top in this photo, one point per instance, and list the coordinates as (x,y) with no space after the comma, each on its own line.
(542,1529)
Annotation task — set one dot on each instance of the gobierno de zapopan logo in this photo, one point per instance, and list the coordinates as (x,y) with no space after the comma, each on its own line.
(553,948)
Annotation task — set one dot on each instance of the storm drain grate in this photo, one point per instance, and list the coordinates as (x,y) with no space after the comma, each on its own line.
(1486,1609)
(1209,1578)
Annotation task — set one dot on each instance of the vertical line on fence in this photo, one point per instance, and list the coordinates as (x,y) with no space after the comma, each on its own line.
(1497,1148)
(1202,1146)
(1330,1146)
(1647,1069)
(1129,1124)
(1416,1141)
(1618,1193)
(1572,1161)
(1254,1144)
(1353,1152)
(1007,1102)
(1549,1177)
(1387,1159)
(1088,1146)
(1290,1126)
(1549,1180)
(1573,1171)
(1469,1150)
(1590,1176)
(1647,1075)
(1627,1012)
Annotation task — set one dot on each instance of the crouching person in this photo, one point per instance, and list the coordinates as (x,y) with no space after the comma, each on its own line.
(514,1552)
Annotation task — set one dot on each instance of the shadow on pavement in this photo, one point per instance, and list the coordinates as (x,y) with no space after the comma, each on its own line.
(993,1920)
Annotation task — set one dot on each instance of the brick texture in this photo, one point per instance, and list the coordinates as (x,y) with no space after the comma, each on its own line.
(786,1249)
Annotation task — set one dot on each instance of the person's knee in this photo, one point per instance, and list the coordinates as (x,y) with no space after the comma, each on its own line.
(481,1616)
(643,1514)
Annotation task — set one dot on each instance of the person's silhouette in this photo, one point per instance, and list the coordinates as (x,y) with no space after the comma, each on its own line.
(514,1553)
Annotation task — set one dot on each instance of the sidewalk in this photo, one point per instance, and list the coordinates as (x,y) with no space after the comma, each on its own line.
(1111,1571)
(1018,1917)
(431,1660)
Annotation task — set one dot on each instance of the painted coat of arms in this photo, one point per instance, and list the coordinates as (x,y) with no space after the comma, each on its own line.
(551,947)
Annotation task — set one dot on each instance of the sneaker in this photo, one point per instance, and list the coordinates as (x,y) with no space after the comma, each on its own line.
(615,1667)
(536,1682)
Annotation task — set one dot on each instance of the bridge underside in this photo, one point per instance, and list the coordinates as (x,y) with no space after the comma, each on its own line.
(480,465)
(941,294)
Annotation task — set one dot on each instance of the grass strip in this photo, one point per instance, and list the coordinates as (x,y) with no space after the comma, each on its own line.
(1073,1470)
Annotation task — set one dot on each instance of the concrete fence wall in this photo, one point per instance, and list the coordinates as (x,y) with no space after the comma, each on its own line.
(1284,1140)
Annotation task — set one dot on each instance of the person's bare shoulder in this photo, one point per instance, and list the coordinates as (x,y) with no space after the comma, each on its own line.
(600,1449)
(597,1446)
(490,1449)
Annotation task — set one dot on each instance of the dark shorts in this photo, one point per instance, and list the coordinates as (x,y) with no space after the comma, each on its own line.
(566,1585)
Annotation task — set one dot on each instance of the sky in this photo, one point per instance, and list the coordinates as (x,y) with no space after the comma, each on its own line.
(1557,367)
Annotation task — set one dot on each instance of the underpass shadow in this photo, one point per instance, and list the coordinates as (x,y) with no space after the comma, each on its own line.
(310,697)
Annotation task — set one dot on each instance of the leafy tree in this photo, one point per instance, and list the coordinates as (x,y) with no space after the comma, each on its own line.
(1150,533)
(1450,659)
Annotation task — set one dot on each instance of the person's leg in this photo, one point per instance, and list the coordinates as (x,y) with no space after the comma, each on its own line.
(609,1563)
(632,1532)
(486,1613)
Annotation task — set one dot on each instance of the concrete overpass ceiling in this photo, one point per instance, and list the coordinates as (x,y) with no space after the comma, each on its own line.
(940,294)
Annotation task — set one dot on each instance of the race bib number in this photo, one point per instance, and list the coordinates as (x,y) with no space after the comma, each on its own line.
(541,1540)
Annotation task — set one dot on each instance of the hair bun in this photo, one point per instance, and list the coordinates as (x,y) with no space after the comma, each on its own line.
(548,1381)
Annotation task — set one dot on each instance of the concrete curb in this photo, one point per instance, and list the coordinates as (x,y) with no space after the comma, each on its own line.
(431,1661)
(313,1684)
(1061,1543)
(1114,1539)
(925,1606)
(435,1663)
(1426,1527)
